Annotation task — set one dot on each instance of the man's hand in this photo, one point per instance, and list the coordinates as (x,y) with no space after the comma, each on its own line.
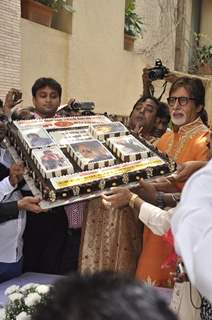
(119,198)
(185,170)
(30,204)
(138,129)
(170,77)
(12,98)
(16,173)
(165,184)
(147,191)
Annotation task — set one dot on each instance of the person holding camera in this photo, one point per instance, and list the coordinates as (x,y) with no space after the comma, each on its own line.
(12,99)
(150,117)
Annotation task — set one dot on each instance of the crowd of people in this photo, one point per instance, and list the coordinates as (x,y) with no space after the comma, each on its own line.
(142,231)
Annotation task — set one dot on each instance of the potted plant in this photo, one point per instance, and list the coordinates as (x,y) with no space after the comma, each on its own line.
(41,11)
(133,27)
(202,54)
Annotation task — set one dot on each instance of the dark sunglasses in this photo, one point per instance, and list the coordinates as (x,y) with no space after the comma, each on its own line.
(183,101)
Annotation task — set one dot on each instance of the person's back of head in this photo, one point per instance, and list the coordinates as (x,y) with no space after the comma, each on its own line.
(46,82)
(103,295)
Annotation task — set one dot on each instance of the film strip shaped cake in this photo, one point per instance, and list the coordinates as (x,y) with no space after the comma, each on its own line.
(51,162)
(128,148)
(91,154)
(56,171)
(104,131)
(83,183)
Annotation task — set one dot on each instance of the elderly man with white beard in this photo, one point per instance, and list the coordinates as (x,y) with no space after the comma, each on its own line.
(187,142)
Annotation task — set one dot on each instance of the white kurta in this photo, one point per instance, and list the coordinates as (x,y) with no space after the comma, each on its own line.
(156,219)
(192,229)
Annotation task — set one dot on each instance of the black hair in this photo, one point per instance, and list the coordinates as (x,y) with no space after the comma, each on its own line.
(163,111)
(102,296)
(143,99)
(44,82)
(204,117)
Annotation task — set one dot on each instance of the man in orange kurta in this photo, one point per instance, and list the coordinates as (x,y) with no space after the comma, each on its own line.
(187,142)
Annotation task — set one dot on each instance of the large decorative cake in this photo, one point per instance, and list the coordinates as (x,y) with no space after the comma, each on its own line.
(66,159)
(91,154)
(128,148)
(104,131)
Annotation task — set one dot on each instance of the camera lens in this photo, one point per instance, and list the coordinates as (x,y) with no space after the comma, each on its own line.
(156,74)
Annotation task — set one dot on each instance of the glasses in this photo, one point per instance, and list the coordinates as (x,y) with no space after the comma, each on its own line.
(183,101)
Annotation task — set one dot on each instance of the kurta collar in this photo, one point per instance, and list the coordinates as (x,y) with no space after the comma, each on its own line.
(190,126)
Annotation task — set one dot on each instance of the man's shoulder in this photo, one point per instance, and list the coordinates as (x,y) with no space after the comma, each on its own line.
(165,137)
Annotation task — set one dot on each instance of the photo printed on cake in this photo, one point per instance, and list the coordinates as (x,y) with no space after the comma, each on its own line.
(37,137)
(128,145)
(91,151)
(109,128)
(52,158)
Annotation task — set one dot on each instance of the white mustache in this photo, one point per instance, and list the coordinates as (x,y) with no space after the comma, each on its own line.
(178,121)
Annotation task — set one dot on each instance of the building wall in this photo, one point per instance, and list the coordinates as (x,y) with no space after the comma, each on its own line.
(44,54)
(100,70)
(160,30)
(10,45)
(206,18)
(91,63)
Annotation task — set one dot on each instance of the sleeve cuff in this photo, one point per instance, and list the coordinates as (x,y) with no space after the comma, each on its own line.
(5,188)
(145,212)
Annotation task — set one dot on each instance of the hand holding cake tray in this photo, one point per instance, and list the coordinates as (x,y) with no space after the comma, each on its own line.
(82,157)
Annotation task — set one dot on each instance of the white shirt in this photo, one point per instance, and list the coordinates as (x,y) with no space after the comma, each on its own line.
(11,231)
(5,157)
(192,229)
(156,219)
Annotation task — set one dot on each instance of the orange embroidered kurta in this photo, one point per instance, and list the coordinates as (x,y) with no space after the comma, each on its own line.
(189,143)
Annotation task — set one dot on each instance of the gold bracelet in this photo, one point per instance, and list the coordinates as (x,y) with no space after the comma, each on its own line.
(132,200)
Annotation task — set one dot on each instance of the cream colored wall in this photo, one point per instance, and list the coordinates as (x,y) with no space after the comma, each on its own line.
(91,63)
(99,69)
(44,53)
(206,18)
(159,38)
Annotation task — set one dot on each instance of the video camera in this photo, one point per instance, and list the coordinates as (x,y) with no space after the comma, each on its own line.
(158,71)
(84,108)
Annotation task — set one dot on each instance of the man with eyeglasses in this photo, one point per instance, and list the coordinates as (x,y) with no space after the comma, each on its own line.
(187,142)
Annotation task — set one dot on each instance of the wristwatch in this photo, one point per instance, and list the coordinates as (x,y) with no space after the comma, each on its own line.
(132,200)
